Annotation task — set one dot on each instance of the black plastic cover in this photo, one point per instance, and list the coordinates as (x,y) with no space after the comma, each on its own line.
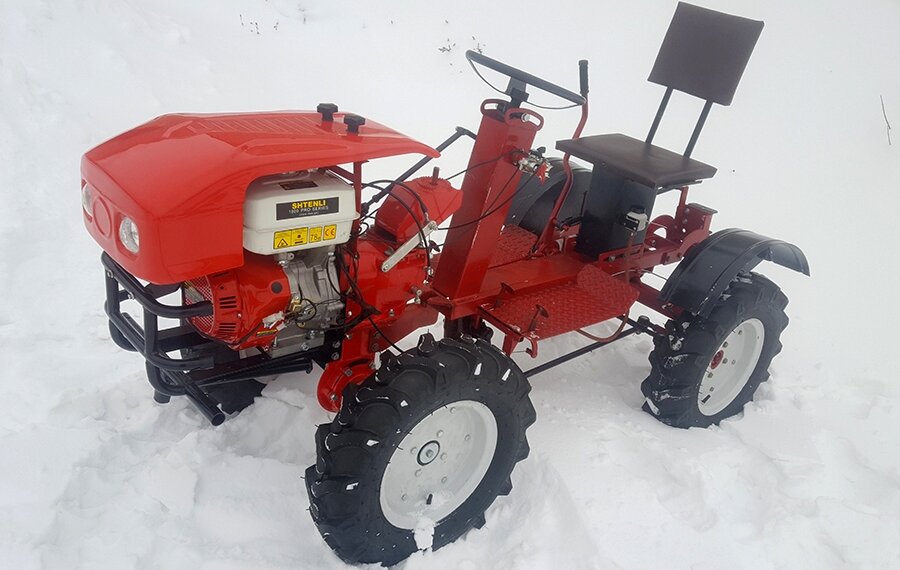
(710,266)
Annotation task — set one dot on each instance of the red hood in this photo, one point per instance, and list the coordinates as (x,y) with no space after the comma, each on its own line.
(182,179)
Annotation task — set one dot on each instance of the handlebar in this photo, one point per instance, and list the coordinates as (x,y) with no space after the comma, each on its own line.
(534,81)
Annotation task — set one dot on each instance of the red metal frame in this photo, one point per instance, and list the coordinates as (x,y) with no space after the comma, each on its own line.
(480,265)
(492,178)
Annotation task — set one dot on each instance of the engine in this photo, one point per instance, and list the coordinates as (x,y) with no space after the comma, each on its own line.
(286,295)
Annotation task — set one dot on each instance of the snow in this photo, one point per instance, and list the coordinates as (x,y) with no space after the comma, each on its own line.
(95,475)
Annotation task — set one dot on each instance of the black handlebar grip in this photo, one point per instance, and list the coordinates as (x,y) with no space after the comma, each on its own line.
(583,76)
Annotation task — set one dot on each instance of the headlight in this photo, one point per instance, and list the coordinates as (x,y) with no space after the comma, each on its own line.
(128,235)
(87,200)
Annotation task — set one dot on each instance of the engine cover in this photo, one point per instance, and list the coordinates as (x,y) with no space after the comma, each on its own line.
(242,298)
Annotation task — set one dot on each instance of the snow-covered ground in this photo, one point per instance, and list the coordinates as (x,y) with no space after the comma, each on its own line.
(95,475)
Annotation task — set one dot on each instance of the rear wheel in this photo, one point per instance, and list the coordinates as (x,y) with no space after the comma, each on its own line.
(419,450)
(707,369)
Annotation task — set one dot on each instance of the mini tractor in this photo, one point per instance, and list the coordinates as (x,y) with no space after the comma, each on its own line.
(258,222)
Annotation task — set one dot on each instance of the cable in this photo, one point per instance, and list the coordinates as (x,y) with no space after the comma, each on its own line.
(389,189)
(480,164)
(491,211)
(611,337)
(384,336)
(412,215)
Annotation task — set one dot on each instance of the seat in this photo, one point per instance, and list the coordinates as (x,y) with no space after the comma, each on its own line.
(703,54)
(636,160)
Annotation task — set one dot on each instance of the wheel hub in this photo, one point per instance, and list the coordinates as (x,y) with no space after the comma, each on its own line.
(429,452)
(438,464)
(731,367)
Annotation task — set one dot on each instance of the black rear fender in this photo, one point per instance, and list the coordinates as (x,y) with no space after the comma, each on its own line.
(710,266)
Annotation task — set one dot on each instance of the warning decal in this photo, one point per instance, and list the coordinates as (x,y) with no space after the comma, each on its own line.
(290,238)
(301,236)
(303,208)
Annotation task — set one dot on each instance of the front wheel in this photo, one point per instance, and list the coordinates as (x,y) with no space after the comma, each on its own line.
(707,369)
(419,450)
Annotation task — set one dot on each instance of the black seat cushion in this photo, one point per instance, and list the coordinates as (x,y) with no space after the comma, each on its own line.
(636,160)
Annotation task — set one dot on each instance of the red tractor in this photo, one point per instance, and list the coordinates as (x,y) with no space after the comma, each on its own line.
(258,222)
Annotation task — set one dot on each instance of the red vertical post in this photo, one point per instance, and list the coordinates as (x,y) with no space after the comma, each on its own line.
(491,181)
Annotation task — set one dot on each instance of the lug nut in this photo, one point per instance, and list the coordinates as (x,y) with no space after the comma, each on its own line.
(468,437)
(440,433)
(443,479)
(403,497)
(414,450)
(418,472)
(444,456)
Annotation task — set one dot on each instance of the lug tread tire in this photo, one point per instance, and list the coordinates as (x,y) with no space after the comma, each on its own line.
(353,450)
(680,359)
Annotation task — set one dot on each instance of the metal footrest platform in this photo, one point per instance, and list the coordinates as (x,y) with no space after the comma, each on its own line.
(593,297)
(514,244)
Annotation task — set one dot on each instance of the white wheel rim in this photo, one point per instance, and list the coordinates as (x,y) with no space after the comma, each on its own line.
(439,463)
(731,366)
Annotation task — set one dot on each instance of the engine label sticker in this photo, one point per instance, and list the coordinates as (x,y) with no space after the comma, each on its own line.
(301,236)
(303,208)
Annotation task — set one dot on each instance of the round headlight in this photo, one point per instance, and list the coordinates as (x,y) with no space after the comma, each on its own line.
(128,235)
(87,199)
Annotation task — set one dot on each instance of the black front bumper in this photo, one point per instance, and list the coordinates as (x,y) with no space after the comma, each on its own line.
(210,364)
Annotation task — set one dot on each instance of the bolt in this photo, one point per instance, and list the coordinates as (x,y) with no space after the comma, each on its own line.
(468,437)
(403,497)
(725,361)
(335,356)
(418,472)
(348,372)
(440,433)
(332,397)
(740,332)
(725,344)
(337,343)
(391,313)
(710,375)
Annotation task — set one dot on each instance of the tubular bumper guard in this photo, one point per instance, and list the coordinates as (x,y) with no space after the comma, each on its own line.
(191,376)
(152,343)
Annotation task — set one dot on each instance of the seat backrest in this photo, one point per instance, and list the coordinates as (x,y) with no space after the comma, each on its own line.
(705,53)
